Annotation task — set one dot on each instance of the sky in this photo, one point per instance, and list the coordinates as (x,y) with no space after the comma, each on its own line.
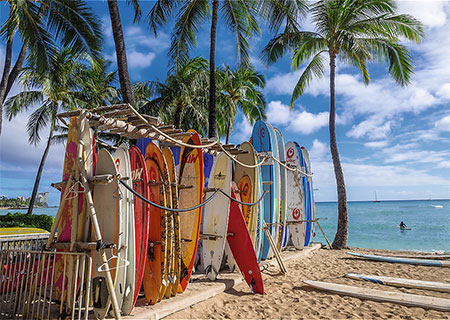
(392,140)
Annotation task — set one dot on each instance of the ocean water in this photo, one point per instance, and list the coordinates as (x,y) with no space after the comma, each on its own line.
(375,224)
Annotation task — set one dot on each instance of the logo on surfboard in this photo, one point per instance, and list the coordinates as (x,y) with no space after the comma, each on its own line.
(296,213)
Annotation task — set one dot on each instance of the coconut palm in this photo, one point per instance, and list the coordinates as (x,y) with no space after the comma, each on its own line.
(239,89)
(53,90)
(182,99)
(41,26)
(355,32)
(238,15)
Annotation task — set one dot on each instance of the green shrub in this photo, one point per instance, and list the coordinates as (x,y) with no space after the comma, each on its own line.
(13,220)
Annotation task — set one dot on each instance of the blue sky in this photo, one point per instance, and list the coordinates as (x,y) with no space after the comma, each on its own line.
(392,140)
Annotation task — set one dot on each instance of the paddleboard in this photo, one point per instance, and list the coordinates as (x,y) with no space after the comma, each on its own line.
(283,230)
(215,217)
(422,262)
(295,198)
(121,161)
(168,156)
(123,164)
(110,217)
(190,175)
(412,300)
(263,141)
(141,215)
(246,180)
(242,249)
(155,267)
(309,197)
(402,282)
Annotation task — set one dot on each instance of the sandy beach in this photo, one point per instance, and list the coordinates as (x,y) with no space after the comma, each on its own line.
(288,298)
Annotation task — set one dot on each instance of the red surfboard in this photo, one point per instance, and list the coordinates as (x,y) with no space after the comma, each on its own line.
(141,214)
(241,246)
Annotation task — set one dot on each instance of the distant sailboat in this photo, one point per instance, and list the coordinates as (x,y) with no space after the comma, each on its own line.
(376,199)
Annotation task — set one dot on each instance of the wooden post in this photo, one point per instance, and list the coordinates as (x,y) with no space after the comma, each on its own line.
(329,245)
(275,250)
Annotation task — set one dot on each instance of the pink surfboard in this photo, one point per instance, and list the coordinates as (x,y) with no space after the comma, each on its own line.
(241,246)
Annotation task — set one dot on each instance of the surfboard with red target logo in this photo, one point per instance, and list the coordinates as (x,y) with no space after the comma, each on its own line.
(295,208)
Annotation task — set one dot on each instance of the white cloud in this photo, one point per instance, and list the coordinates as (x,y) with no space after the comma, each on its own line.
(140,60)
(431,13)
(295,121)
(242,131)
(376,144)
(443,124)
(373,127)
(319,150)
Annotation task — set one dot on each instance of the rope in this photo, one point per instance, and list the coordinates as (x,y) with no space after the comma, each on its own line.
(178,142)
(165,208)
(244,203)
(292,169)
(241,163)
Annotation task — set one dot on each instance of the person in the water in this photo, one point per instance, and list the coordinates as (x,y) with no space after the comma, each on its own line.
(402,225)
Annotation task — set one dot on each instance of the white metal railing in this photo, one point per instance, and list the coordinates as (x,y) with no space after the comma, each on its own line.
(28,290)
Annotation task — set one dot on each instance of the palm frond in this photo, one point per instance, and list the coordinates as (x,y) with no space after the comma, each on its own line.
(315,68)
(160,12)
(37,121)
(22,102)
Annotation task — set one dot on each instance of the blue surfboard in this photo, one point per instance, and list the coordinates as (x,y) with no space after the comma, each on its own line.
(282,157)
(421,262)
(263,140)
(208,161)
(142,144)
(308,195)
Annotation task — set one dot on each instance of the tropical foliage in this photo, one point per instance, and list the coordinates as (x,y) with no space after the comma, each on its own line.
(356,32)
(42,26)
(239,89)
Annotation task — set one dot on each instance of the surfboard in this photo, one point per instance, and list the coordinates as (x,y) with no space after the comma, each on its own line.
(277,187)
(246,180)
(21,231)
(121,160)
(283,230)
(263,142)
(141,215)
(242,249)
(294,196)
(215,217)
(402,282)
(142,143)
(155,266)
(260,216)
(191,176)
(170,263)
(109,215)
(70,229)
(422,262)
(123,163)
(423,256)
(412,300)
(309,197)
(168,156)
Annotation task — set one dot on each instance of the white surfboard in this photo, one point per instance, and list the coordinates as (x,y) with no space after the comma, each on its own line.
(215,217)
(295,199)
(110,218)
(120,161)
(402,282)
(412,300)
(128,296)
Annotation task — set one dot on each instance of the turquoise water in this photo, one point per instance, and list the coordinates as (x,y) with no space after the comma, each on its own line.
(374,225)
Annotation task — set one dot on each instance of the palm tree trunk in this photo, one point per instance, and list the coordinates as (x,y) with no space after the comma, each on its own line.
(212,73)
(5,75)
(121,54)
(41,168)
(178,116)
(341,237)
(228,133)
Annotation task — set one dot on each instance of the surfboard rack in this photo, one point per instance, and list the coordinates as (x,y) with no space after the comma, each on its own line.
(213,237)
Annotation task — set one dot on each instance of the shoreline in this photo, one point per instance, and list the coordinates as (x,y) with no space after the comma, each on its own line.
(288,297)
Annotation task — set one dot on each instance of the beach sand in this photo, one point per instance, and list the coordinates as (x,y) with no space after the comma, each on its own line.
(288,298)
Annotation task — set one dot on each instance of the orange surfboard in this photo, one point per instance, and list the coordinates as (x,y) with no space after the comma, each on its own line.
(191,176)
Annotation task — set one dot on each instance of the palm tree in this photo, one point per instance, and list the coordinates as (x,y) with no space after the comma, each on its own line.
(41,26)
(239,89)
(57,88)
(182,99)
(239,16)
(356,32)
(121,54)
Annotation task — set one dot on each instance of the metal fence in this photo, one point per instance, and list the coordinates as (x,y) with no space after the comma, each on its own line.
(44,284)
